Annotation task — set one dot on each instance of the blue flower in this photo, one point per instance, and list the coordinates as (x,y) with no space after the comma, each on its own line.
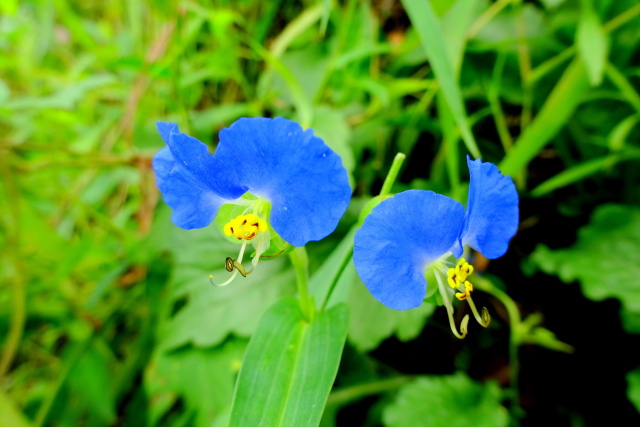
(284,175)
(416,230)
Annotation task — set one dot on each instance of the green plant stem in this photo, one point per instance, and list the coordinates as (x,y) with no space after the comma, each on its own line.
(487,16)
(546,66)
(393,174)
(336,279)
(346,395)
(341,41)
(622,19)
(300,262)
(18,314)
(514,340)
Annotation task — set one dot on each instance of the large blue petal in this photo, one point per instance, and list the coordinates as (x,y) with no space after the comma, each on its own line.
(302,178)
(398,241)
(192,182)
(492,210)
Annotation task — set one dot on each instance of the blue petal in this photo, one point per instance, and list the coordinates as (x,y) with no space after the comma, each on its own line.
(398,241)
(192,182)
(302,178)
(492,210)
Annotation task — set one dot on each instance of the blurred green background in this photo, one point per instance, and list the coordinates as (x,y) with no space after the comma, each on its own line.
(106,314)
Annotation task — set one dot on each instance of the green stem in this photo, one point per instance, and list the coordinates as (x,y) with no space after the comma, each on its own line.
(18,315)
(392,175)
(622,19)
(514,340)
(346,395)
(300,262)
(487,16)
(546,66)
(336,279)
(386,190)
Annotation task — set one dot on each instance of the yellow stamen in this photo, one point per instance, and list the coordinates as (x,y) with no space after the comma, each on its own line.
(456,276)
(452,277)
(245,226)
(468,288)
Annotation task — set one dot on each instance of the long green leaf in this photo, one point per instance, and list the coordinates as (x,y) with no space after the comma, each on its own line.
(592,43)
(581,171)
(289,367)
(426,23)
(562,102)
(11,415)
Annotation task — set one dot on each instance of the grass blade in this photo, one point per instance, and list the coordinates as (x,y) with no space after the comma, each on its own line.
(426,23)
(560,105)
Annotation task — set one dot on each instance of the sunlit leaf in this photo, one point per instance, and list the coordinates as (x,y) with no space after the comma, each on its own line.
(203,314)
(592,43)
(605,259)
(447,401)
(289,367)
(633,388)
(203,377)
(370,322)
(90,380)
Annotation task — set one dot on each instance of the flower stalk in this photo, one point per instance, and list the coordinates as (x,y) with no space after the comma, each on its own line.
(300,262)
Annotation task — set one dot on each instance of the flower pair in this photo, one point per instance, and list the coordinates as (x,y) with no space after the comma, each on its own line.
(286,179)
(417,230)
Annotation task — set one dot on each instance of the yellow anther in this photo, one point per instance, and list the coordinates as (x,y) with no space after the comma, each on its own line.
(457,276)
(464,269)
(452,277)
(245,226)
(468,288)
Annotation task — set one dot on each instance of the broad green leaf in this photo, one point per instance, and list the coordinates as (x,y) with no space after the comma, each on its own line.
(11,415)
(203,377)
(202,121)
(330,125)
(630,321)
(203,314)
(455,23)
(550,4)
(605,259)
(289,367)
(447,401)
(211,313)
(633,388)
(592,43)
(428,27)
(90,381)
(559,106)
(5,92)
(370,322)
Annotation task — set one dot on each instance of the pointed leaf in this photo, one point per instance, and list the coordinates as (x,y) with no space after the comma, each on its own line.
(426,23)
(446,401)
(605,259)
(592,43)
(289,367)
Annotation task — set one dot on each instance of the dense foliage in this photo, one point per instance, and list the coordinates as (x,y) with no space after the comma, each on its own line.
(106,312)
